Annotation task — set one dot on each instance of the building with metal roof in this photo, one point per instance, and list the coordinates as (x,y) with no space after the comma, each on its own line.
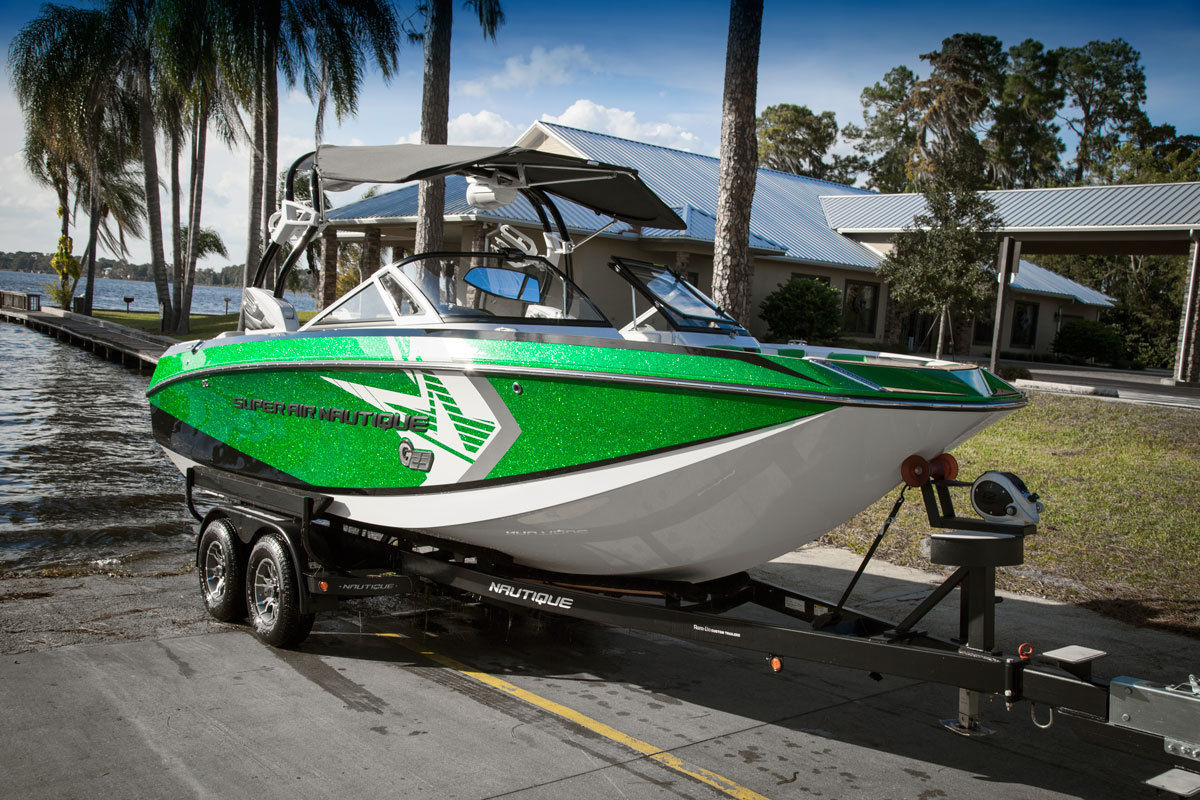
(1141,219)
(790,235)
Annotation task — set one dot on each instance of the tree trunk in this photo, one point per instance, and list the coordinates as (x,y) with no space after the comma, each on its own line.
(941,340)
(153,201)
(733,268)
(270,145)
(195,197)
(64,209)
(89,256)
(176,224)
(329,262)
(253,227)
(435,116)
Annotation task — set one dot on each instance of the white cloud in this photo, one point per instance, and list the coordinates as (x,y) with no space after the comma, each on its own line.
(542,67)
(591,116)
(481,128)
(28,211)
(485,127)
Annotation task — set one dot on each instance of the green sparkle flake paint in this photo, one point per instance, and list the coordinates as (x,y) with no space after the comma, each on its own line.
(377,411)
(567,423)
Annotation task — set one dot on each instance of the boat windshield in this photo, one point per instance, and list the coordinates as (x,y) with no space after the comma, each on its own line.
(684,306)
(500,286)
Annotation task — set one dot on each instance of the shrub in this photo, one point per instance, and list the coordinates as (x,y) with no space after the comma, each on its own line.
(1087,339)
(803,309)
(68,269)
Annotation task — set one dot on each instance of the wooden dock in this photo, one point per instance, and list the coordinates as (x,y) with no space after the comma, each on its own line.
(117,343)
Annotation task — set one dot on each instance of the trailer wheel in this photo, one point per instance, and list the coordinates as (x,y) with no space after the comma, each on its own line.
(220,568)
(273,595)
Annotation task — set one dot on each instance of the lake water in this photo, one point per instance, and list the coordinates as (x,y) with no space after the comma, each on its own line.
(110,293)
(82,480)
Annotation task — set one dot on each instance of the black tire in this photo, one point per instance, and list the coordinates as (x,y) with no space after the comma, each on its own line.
(273,595)
(220,563)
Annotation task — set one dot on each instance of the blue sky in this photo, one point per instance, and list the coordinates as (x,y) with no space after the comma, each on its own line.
(647,71)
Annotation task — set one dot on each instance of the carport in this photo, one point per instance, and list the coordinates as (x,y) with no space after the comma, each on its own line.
(1143,219)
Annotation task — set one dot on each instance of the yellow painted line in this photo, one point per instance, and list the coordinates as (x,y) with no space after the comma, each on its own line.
(596,726)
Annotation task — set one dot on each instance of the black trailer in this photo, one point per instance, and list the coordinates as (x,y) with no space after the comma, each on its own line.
(274,553)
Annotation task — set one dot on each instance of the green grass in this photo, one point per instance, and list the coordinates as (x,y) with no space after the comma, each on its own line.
(1121,484)
(203,326)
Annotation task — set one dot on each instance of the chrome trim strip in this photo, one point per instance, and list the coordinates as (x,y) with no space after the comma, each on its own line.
(541,372)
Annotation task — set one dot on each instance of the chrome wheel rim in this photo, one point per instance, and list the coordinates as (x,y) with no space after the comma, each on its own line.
(266,591)
(214,571)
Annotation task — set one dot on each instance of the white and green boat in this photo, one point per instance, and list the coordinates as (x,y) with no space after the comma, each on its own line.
(482,400)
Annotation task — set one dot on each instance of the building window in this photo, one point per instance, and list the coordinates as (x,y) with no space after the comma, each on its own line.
(860,307)
(983,330)
(818,278)
(1024,325)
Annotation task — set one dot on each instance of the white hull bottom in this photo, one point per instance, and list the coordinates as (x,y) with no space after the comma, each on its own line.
(692,514)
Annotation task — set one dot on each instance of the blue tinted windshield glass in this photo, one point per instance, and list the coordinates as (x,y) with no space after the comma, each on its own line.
(504,283)
(500,288)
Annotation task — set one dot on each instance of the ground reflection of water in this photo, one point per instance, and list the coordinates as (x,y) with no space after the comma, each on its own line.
(81,478)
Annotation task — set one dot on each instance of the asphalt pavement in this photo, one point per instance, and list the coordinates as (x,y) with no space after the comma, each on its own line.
(1150,387)
(438,699)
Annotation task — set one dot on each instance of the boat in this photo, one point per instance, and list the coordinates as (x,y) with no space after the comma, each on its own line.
(484,402)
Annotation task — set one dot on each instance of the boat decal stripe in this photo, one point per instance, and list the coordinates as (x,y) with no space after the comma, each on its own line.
(202,447)
(597,727)
(964,404)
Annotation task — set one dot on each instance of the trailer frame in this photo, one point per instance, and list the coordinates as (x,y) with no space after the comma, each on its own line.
(1155,721)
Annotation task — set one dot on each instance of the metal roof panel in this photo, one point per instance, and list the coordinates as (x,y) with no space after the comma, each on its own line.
(1170,206)
(786,208)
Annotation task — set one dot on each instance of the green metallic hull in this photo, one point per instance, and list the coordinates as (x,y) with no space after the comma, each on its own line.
(589,456)
(299,405)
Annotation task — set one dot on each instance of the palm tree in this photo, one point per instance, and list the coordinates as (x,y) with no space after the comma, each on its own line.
(45,77)
(114,194)
(435,104)
(195,92)
(733,269)
(134,72)
(119,208)
(78,120)
(325,43)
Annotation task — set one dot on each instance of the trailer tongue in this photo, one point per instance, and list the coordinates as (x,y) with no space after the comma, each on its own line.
(296,560)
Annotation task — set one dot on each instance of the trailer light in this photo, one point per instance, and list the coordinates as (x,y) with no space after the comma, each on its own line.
(776,663)
(324,586)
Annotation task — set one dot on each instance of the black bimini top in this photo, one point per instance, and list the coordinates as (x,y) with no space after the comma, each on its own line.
(608,189)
